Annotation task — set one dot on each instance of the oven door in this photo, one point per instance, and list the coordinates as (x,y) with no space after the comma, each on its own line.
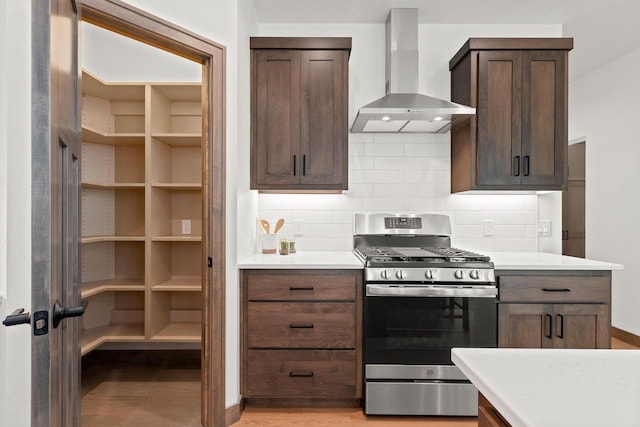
(419,324)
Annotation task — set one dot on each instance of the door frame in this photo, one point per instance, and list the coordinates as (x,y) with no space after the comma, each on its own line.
(137,24)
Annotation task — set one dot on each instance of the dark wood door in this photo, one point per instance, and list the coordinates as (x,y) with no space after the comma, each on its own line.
(573,204)
(56,165)
(525,325)
(581,326)
(544,133)
(322,138)
(499,118)
(276,131)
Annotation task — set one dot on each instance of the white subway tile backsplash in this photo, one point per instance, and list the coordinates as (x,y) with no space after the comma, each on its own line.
(393,137)
(356,177)
(387,204)
(516,245)
(356,149)
(377,149)
(392,163)
(424,204)
(360,163)
(393,190)
(431,163)
(510,231)
(432,138)
(404,173)
(432,150)
(383,176)
(342,217)
(360,137)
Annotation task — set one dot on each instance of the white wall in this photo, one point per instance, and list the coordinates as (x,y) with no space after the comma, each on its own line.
(394,172)
(15,209)
(603,109)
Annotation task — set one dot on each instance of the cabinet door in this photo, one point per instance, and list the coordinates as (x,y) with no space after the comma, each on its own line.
(544,131)
(276,127)
(581,326)
(525,325)
(499,118)
(323,135)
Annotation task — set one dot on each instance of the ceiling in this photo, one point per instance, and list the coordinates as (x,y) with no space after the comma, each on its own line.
(603,30)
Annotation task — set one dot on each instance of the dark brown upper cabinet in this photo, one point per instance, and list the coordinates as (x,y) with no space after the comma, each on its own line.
(299,113)
(518,137)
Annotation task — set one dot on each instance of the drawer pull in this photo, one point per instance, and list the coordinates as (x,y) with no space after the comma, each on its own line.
(561,332)
(301,374)
(304,326)
(292,288)
(548,325)
(556,290)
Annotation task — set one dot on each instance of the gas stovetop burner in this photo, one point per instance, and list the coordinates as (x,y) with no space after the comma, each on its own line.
(416,255)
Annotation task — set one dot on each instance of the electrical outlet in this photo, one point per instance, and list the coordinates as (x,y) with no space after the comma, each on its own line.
(488,227)
(186,226)
(297,227)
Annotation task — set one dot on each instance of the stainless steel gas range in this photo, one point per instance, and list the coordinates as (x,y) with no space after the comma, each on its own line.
(422,298)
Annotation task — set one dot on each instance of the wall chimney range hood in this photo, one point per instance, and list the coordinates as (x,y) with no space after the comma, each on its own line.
(403,109)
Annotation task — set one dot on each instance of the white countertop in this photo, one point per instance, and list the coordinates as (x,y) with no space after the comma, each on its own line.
(545,261)
(501,261)
(303,259)
(554,387)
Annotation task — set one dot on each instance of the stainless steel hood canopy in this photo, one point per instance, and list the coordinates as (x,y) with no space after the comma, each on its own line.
(403,109)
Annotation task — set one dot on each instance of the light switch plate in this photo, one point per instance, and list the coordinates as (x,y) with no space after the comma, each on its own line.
(297,227)
(544,227)
(186,226)
(488,227)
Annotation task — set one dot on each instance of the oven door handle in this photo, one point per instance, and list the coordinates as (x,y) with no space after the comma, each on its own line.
(431,291)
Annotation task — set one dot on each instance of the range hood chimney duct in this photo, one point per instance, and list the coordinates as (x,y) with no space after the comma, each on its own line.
(403,109)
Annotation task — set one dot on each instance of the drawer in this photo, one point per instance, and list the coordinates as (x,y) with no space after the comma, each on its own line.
(554,289)
(302,287)
(301,325)
(301,373)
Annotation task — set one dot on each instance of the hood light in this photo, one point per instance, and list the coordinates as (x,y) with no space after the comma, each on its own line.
(385,118)
(437,119)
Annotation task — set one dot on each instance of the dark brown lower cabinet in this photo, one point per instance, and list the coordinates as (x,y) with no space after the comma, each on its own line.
(488,416)
(543,310)
(553,326)
(301,335)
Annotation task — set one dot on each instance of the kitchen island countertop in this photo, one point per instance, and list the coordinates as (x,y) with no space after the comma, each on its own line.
(557,387)
(303,260)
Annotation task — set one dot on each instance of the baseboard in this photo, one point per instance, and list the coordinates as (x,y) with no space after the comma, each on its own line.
(625,336)
(303,403)
(232,413)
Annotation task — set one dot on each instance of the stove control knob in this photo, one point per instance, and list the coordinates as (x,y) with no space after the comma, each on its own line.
(459,274)
(430,274)
(474,274)
(401,274)
(386,274)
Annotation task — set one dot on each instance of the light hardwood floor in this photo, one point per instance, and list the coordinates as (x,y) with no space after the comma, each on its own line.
(136,389)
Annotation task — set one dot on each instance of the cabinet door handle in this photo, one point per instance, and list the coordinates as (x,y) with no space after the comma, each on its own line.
(307,374)
(556,290)
(294,165)
(525,166)
(304,165)
(561,332)
(516,166)
(293,288)
(548,325)
(565,234)
(301,326)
